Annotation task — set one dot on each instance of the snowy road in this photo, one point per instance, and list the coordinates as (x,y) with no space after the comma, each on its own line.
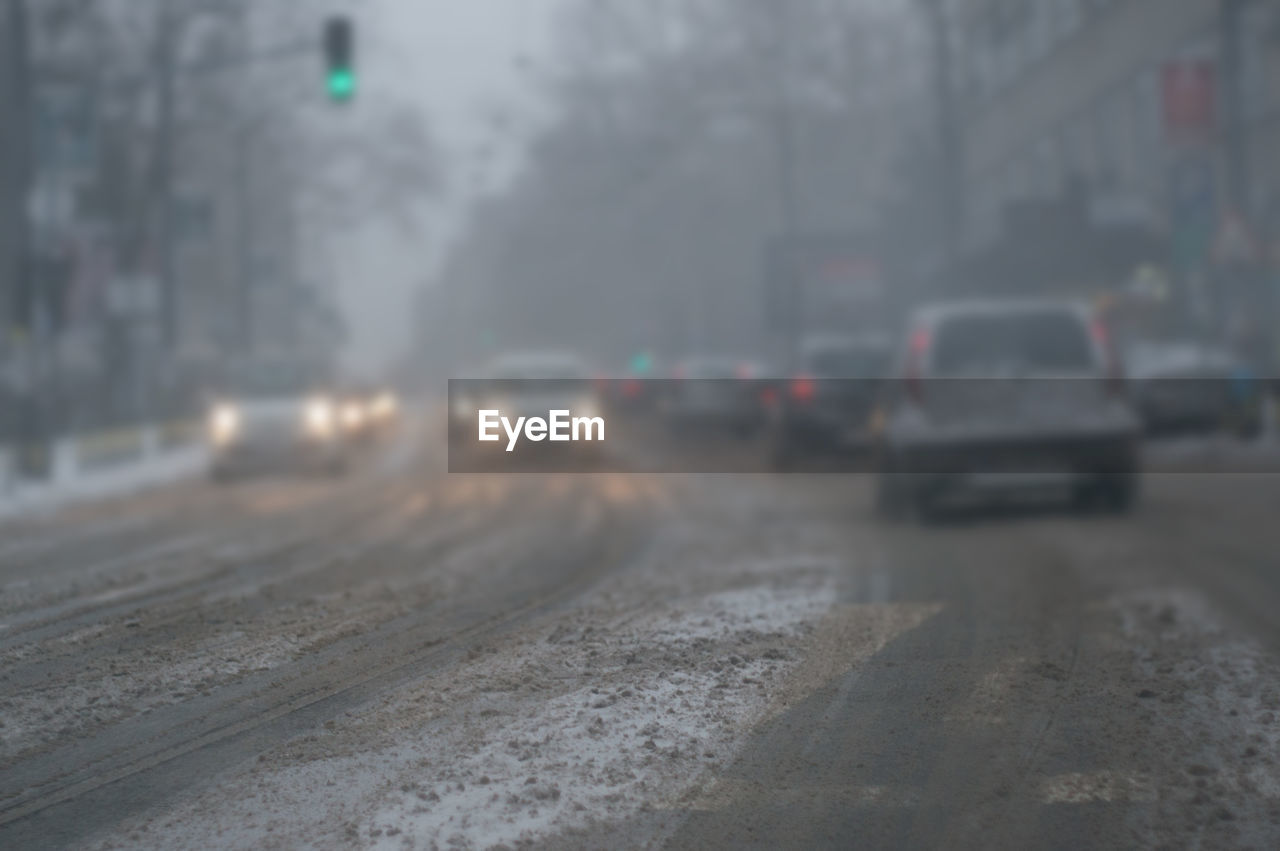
(411,659)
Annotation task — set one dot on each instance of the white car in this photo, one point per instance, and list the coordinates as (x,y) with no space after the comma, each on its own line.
(275,418)
(998,398)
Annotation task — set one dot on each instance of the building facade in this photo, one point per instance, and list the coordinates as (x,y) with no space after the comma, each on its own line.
(1065,101)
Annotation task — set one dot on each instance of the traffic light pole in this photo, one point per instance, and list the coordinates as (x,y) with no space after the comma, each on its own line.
(788,202)
(950,140)
(244,238)
(23,299)
(244,140)
(169,295)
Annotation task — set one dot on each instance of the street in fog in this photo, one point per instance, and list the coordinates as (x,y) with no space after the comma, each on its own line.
(589,660)
(662,424)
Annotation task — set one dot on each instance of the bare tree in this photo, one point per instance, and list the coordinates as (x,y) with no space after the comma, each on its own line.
(680,131)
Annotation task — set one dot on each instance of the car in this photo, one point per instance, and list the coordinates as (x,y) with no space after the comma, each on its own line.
(631,390)
(1187,387)
(368,413)
(525,384)
(827,408)
(384,410)
(355,415)
(275,416)
(718,394)
(1000,398)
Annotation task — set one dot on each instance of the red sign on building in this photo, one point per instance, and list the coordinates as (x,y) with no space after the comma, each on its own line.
(1189,105)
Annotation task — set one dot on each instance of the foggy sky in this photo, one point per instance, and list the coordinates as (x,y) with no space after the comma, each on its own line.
(454,59)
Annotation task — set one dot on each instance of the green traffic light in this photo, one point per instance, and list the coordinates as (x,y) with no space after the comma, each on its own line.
(342,84)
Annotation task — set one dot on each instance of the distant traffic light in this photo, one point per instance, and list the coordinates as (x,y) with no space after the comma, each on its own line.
(641,363)
(339,54)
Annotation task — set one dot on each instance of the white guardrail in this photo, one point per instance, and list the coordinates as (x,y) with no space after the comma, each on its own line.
(103,464)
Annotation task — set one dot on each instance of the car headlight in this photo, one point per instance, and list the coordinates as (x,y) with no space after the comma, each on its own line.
(224,423)
(353,415)
(385,405)
(319,417)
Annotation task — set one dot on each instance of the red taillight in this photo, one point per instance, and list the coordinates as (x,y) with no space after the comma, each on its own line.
(1102,338)
(1098,331)
(803,388)
(919,342)
(631,388)
(769,397)
(917,350)
(743,371)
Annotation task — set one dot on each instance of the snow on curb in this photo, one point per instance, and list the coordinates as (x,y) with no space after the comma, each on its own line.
(162,469)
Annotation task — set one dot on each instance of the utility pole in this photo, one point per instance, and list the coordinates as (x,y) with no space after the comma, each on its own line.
(24,300)
(245,248)
(950,141)
(788,202)
(165,72)
(15,153)
(1234,137)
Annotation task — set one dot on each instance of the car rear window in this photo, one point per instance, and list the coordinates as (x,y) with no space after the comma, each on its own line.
(1018,342)
(266,381)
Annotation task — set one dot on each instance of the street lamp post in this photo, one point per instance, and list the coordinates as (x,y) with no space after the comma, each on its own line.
(783,125)
(949,137)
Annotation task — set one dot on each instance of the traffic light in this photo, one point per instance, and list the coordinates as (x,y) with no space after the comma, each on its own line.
(339,53)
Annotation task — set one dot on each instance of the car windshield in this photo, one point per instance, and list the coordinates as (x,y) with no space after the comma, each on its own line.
(1022,342)
(273,381)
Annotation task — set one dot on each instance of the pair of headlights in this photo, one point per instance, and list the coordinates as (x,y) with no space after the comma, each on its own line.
(318,420)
